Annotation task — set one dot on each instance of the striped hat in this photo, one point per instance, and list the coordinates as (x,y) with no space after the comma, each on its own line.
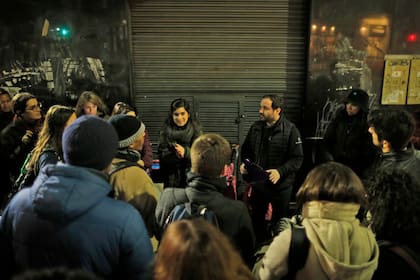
(128,128)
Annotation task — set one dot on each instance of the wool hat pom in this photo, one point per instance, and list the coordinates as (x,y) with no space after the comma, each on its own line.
(89,142)
(128,128)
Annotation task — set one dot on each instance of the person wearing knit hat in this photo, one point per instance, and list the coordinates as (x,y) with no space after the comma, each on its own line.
(359,99)
(347,139)
(66,217)
(129,130)
(147,149)
(89,142)
(130,181)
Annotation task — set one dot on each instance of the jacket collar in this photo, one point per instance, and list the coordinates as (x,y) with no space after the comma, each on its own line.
(202,183)
(399,155)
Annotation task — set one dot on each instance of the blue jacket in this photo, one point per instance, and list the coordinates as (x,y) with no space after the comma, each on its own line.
(67,219)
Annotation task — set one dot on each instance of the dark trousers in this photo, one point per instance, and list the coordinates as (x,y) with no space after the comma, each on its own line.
(259,201)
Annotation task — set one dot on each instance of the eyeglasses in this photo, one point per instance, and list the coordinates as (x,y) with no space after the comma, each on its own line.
(35,107)
(5,102)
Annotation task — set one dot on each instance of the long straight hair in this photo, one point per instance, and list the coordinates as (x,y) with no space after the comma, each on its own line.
(51,133)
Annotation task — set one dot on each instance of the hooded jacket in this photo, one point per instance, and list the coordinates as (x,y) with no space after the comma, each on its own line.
(233,217)
(340,248)
(67,219)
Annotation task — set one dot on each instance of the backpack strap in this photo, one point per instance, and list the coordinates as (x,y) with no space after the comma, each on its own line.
(117,167)
(298,251)
(121,165)
(403,252)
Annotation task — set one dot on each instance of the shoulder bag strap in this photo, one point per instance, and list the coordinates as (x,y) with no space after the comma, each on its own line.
(408,258)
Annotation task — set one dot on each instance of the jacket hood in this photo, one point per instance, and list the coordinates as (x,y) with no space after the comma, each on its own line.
(340,241)
(63,192)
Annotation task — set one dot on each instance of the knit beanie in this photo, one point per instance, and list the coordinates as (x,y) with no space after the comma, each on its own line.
(360,98)
(89,142)
(128,129)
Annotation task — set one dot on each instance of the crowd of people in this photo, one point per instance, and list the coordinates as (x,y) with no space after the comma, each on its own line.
(77,197)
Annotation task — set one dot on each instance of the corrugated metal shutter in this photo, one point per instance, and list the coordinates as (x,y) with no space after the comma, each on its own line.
(237,49)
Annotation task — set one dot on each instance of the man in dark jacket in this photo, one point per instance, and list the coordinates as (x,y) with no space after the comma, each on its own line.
(391,131)
(209,155)
(66,219)
(347,138)
(273,143)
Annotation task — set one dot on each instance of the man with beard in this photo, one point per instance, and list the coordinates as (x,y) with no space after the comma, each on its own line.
(274,143)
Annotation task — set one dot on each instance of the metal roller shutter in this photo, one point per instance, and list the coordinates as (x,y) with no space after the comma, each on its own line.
(220,55)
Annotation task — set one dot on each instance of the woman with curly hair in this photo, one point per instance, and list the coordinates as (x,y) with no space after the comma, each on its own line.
(395,218)
(176,137)
(195,249)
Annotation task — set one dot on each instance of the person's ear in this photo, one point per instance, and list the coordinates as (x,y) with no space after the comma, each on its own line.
(386,146)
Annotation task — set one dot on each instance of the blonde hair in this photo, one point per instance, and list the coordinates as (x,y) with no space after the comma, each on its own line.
(51,133)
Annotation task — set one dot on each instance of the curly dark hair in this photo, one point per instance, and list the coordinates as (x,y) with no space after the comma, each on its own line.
(394,198)
(395,126)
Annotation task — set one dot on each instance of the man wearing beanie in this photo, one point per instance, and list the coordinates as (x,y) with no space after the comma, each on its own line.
(347,139)
(67,219)
(130,181)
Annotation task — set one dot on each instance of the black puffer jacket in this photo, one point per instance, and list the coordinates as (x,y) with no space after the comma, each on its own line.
(232,215)
(349,142)
(284,151)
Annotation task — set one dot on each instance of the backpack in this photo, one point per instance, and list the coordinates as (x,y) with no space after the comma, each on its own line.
(191,210)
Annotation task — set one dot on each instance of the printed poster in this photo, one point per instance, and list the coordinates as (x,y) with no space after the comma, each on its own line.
(394,90)
(413,94)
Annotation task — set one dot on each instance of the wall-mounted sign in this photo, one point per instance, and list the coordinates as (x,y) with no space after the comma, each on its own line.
(413,94)
(394,89)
